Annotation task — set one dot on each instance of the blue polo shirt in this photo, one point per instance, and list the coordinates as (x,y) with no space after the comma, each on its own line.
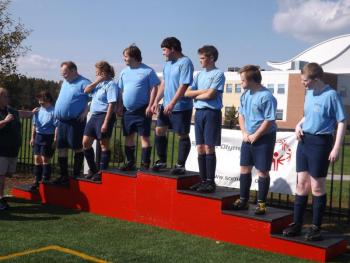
(322,111)
(213,79)
(72,100)
(104,93)
(256,107)
(45,121)
(137,84)
(176,73)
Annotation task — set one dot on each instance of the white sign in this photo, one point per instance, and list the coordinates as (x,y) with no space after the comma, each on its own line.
(283,173)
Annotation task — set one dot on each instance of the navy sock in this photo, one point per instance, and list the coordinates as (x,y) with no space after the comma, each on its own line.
(47,171)
(146,155)
(38,171)
(78,163)
(202,167)
(211,166)
(105,157)
(300,204)
(63,163)
(161,143)
(130,154)
(264,185)
(245,181)
(318,207)
(90,159)
(184,150)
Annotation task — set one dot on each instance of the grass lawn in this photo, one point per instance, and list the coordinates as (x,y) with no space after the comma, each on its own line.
(29,225)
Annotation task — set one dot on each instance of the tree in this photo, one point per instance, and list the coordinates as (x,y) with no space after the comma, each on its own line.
(12,34)
(231,117)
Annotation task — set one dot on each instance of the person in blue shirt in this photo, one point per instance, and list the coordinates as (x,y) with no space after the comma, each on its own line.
(139,84)
(176,110)
(324,116)
(206,90)
(104,92)
(257,115)
(44,137)
(70,111)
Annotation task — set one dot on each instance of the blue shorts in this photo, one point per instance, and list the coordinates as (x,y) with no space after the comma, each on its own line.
(178,121)
(259,153)
(136,121)
(70,134)
(312,154)
(207,124)
(93,126)
(43,145)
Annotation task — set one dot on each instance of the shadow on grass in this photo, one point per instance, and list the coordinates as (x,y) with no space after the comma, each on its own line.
(25,210)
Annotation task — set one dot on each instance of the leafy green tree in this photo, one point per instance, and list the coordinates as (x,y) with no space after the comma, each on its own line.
(231,117)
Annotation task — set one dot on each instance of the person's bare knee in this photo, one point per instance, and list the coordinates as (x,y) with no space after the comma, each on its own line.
(318,186)
(145,141)
(209,149)
(304,184)
(201,149)
(161,131)
(246,169)
(38,160)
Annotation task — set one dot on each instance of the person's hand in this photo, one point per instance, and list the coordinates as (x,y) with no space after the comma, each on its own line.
(154,108)
(252,138)
(149,111)
(334,155)
(298,132)
(31,142)
(104,127)
(9,117)
(245,137)
(35,110)
(100,78)
(169,108)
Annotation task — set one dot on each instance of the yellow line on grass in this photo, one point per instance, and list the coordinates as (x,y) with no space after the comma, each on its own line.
(57,248)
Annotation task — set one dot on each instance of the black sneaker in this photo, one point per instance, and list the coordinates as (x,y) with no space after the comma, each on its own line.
(292,230)
(239,204)
(144,167)
(96,177)
(207,187)
(158,166)
(90,174)
(62,180)
(178,170)
(34,186)
(3,205)
(313,234)
(127,167)
(196,186)
(260,208)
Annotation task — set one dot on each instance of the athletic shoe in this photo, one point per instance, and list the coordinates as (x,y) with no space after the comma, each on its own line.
(127,167)
(144,167)
(196,186)
(239,204)
(62,180)
(207,187)
(158,166)
(178,170)
(96,177)
(292,230)
(313,234)
(3,205)
(260,208)
(90,174)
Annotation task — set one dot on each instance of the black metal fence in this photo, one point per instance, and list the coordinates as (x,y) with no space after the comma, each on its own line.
(338,182)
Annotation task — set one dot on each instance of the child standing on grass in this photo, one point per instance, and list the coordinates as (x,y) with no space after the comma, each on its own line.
(44,137)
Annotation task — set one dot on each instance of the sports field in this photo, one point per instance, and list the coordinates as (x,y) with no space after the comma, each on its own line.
(31,232)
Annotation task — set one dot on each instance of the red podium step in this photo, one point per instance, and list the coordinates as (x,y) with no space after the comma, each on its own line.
(163,200)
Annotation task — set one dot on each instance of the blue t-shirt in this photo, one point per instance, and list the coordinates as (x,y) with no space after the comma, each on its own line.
(176,73)
(213,79)
(137,84)
(322,111)
(256,107)
(45,121)
(104,93)
(72,100)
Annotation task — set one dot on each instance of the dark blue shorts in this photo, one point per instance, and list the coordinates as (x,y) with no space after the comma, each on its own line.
(312,154)
(136,121)
(70,134)
(94,124)
(178,121)
(43,145)
(260,153)
(207,124)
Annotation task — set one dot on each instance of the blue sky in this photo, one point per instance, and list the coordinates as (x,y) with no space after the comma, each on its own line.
(249,31)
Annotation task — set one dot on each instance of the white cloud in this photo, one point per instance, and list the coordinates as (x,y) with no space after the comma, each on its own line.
(312,20)
(37,66)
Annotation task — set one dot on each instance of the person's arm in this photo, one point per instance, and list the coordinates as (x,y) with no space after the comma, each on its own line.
(159,96)
(194,93)
(110,112)
(9,117)
(178,95)
(207,95)
(298,129)
(32,138)
(241,122)
(152,98)
(27,114)
(89,88)
(55,138)
(265,125)
(341,128)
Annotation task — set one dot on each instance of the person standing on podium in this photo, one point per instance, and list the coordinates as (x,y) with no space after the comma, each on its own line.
(206,90)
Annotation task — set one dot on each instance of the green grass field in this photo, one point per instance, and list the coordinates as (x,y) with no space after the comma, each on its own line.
(29,225)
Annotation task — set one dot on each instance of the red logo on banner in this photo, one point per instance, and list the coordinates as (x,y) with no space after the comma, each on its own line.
(282,156)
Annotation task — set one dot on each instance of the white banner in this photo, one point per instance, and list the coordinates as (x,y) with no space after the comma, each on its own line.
(283,174)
